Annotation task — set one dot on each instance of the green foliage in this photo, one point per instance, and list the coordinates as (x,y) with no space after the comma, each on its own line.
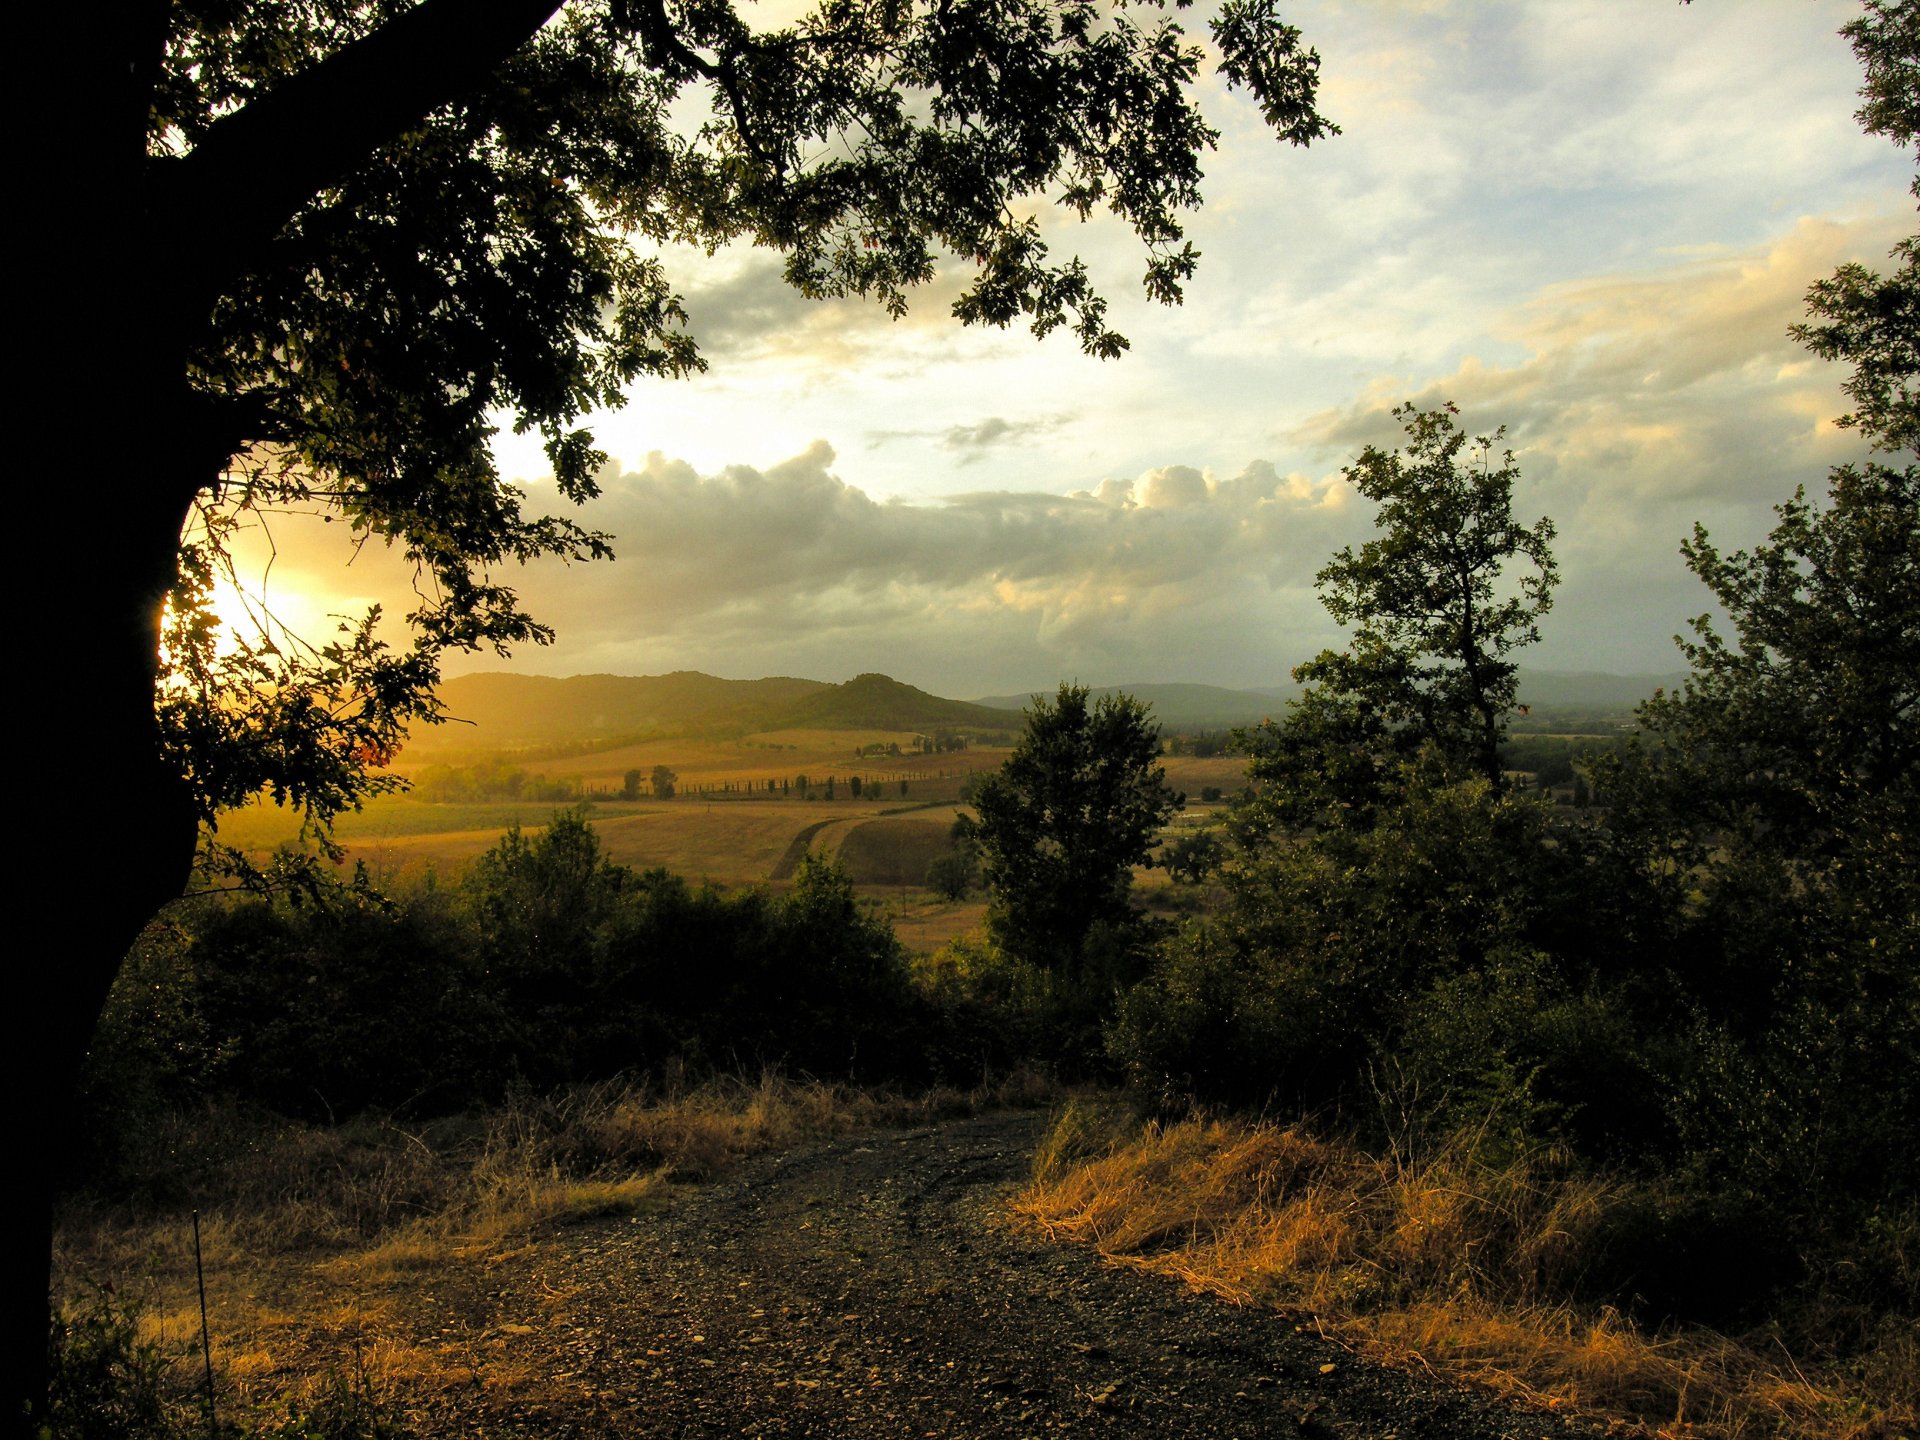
(1192,858)
(954,873)
(662,782)
(1435,617)
(1063,822)
(548,965)
(1783,779)
(493,779)
(105,1382)
(324,1010)
(1459,942)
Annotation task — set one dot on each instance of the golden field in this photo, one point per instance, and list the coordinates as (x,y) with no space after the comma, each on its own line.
(727,838)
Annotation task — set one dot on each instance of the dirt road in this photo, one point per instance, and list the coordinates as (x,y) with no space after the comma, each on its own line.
(865,1288)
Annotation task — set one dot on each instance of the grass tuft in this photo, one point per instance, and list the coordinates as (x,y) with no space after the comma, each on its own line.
(1456,1260)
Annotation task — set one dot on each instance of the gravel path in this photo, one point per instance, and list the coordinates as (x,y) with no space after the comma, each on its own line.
(864,1288)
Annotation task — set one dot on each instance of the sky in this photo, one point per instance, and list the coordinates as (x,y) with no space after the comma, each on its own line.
(1588,221)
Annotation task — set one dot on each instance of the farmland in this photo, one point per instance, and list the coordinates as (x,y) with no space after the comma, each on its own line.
(730,835)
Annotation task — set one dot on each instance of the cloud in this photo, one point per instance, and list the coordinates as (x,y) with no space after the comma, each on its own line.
(1643,395)
(745,569)
(974,443)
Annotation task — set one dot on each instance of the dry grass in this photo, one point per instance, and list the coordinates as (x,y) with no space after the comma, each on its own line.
(360,1250)
(1447,1261)
(375,1186)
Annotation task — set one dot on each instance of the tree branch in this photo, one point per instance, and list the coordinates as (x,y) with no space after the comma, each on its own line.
(219,207)
(651,19)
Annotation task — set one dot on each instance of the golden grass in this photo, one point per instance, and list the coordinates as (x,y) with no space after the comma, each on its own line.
(1449,1261)
(360,1250)
(375,1192)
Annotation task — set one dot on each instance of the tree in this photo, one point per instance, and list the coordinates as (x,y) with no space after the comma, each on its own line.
(1191,858)
(663,780)
(1790,731)
(1436,616)
(955,871)
(1076,806)
(304,252)
(630,785)
(1783,777)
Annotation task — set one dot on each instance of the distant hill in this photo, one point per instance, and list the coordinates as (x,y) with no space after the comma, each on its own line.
(588,712)
(876,702)
(519,712)
(591,712)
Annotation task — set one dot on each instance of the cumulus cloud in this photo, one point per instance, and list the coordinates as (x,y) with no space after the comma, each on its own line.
(742,569)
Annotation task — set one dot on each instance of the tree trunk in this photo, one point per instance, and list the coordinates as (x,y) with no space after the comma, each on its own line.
(123,260)
(109,852)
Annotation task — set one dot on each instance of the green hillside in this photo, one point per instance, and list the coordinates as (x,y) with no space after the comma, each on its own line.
(496,711)
(876,702)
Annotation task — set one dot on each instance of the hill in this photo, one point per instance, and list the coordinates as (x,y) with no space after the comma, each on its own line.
(498,711)
(518,712)
(876,702)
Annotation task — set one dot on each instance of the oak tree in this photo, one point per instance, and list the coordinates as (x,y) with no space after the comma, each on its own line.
(1442,597)
(309,253)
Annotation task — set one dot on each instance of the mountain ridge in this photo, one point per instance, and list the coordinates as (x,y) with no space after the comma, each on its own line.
(503,710)
(508,711)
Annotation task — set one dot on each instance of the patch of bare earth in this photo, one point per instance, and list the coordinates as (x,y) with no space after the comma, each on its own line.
(868,1286)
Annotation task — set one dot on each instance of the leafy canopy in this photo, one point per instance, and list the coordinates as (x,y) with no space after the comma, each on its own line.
(1795,734)
(1436,617)
(392,279)
(1076,806)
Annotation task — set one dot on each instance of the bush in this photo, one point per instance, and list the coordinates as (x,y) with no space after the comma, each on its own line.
(1456,937)
(547,966)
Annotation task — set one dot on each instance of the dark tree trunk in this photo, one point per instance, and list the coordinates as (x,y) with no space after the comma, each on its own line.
(109,851)
(118,261)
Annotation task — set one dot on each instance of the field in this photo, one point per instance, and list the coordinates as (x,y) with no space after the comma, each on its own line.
(728,837)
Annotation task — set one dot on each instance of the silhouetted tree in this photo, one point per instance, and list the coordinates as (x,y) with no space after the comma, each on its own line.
(346,237)
(1433,634)
(1077,805)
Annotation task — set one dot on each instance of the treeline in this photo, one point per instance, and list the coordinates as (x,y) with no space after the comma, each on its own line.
(818,787)
(546,966)
(495,779)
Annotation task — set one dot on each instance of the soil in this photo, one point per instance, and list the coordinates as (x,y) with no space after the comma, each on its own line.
(871,1287)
